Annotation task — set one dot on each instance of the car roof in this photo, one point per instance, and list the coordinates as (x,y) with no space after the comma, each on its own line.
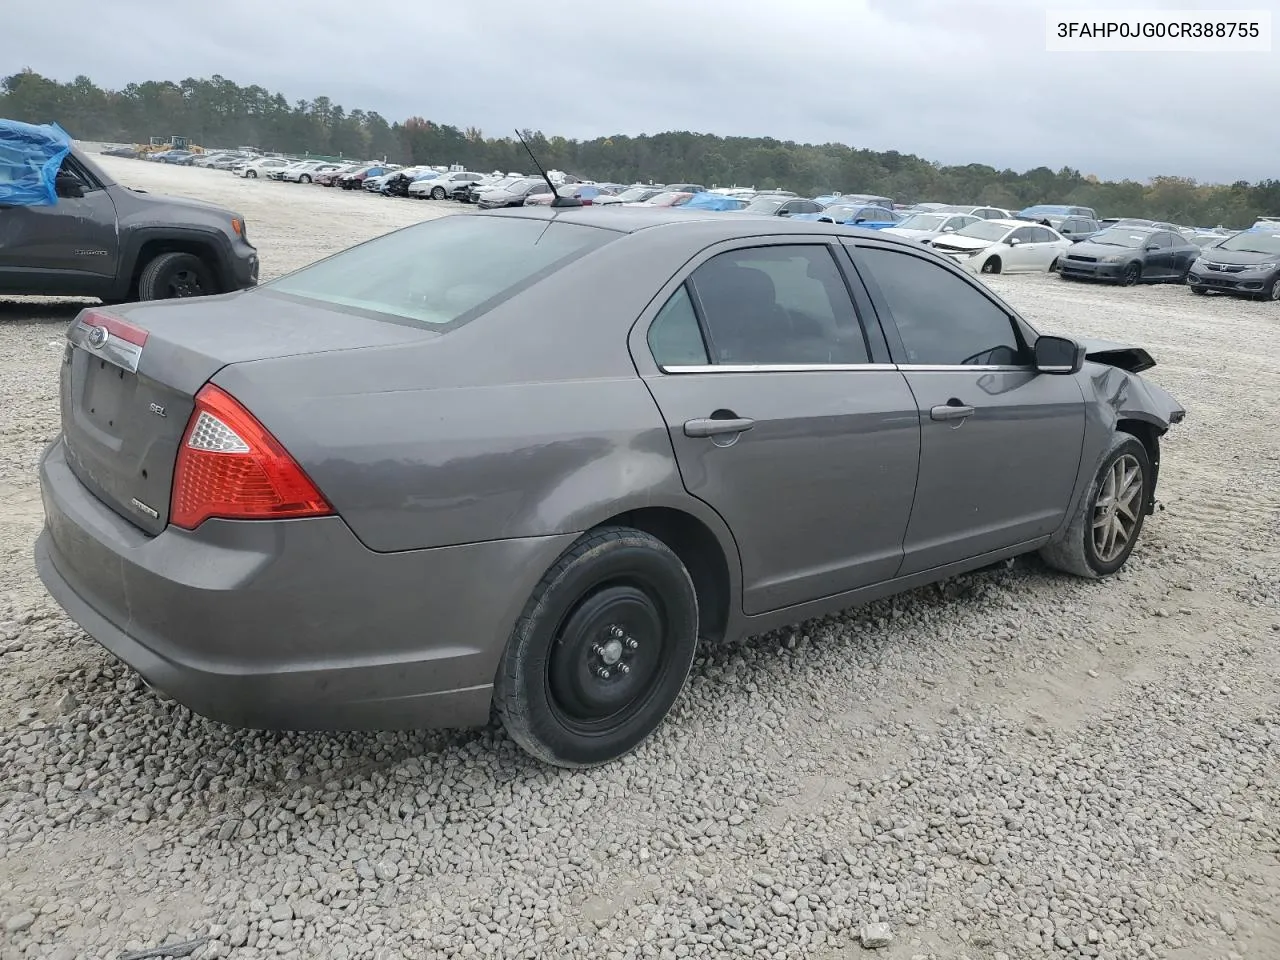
(712,224)
(1014,223)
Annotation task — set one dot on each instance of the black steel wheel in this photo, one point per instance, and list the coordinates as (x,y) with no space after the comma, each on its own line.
(175,275)
(601,651)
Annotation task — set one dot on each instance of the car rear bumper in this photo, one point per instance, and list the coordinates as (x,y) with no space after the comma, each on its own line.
(1251,284)
(289,624)
(1084,270)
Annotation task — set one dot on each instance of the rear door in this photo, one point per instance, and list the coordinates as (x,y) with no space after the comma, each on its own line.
(1000,443)
(1159,256)
(1020,256)
(69,249)
(785,416)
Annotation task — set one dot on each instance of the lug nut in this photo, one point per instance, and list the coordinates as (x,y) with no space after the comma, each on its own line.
(631,643)
(617,633)
(602,673)
(597,649)
(623,668)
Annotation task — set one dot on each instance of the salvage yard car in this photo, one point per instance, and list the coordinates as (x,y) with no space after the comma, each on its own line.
(1004,246)
(530,459)
(1129,255)
(101,239)
(1247,264)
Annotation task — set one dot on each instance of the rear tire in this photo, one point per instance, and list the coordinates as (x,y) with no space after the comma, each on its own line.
(992,265)
(1053,266)
(173,276)
(601,650)
(1108,521)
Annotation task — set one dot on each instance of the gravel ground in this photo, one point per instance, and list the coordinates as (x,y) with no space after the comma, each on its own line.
(1012,765)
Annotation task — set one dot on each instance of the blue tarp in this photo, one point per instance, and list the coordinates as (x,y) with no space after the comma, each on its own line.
(713,201)
(30,156)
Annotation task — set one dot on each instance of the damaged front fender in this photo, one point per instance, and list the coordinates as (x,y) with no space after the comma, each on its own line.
(1114,370)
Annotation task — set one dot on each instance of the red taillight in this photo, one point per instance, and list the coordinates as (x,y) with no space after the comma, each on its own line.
(230,466)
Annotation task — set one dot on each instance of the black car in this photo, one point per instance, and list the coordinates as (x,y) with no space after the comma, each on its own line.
(1130,255)
(1247,263)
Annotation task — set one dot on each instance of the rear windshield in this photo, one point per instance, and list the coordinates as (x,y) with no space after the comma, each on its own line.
(446,271)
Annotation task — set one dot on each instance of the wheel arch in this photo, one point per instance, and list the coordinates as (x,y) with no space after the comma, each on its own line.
(703,555)
(146,246)
(1148,433)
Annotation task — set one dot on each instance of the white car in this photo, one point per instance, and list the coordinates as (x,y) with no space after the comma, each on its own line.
(1004,246)
(260,168)
(306,172)
(929,226)
(443,186)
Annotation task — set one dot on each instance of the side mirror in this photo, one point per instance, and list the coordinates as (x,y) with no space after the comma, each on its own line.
(784,213)
(1058,355)
(948,229)
(1013,241)
(861,220)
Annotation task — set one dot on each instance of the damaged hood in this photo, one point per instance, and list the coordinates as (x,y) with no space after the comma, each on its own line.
(1129,394)
(1123,355)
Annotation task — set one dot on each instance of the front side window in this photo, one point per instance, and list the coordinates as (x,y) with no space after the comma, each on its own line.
(1162,240)
(942,318)
(443,272)
(778,305)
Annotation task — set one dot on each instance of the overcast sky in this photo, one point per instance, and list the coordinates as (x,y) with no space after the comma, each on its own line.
(957,81)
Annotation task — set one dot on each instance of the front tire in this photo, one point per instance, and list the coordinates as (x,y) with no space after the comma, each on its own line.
(992,265)
(172,276)
(437,193)
(305,178)
(251,173)
(1053,267)
(1132,274)
(1273,292)
(601,650)
(1106,525)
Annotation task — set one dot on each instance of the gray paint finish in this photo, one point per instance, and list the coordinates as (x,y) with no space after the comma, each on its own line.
(462,464)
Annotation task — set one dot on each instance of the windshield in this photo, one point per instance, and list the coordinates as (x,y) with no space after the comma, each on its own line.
(1121,237)
(764,205)
(923,221)
(635,193)
(984,230)
(446,271)
(1249,242)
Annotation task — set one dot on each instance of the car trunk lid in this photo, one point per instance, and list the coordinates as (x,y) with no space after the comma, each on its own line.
(130,375)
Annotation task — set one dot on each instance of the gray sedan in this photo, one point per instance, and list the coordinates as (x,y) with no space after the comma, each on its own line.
(529,460)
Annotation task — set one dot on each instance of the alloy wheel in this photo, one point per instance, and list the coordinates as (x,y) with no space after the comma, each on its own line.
(1118,507)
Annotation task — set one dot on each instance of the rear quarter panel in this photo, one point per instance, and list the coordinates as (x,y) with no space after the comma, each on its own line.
(529,421)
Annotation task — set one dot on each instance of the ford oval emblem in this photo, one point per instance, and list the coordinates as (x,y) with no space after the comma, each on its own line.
(98,337)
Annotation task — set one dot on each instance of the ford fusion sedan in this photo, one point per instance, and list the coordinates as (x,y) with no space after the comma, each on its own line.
(1004,246)
(1129,255)
(1246,263)
(530,462)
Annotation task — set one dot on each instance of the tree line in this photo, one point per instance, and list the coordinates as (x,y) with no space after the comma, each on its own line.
(219,113)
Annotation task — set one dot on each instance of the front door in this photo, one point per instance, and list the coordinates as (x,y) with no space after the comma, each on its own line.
(1160,261)
(781,423)
(68,249)
(1000,444)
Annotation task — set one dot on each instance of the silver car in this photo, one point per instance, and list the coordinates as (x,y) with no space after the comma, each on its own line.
(530,460)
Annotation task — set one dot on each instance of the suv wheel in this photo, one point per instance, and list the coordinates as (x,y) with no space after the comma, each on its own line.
(175,275)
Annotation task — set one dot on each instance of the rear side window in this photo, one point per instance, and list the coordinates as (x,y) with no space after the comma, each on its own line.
(444,272)
(675,337)
(778,305)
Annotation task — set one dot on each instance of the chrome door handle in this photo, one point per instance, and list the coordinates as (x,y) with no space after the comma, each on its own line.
(947,411)
(708,427)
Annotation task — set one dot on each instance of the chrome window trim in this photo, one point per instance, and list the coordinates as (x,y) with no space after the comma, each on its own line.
(842,367)
(775,367)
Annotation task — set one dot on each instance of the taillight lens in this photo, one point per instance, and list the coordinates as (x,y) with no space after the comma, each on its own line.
(230,466)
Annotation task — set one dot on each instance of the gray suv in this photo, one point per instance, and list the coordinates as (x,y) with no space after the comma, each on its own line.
(109,241)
